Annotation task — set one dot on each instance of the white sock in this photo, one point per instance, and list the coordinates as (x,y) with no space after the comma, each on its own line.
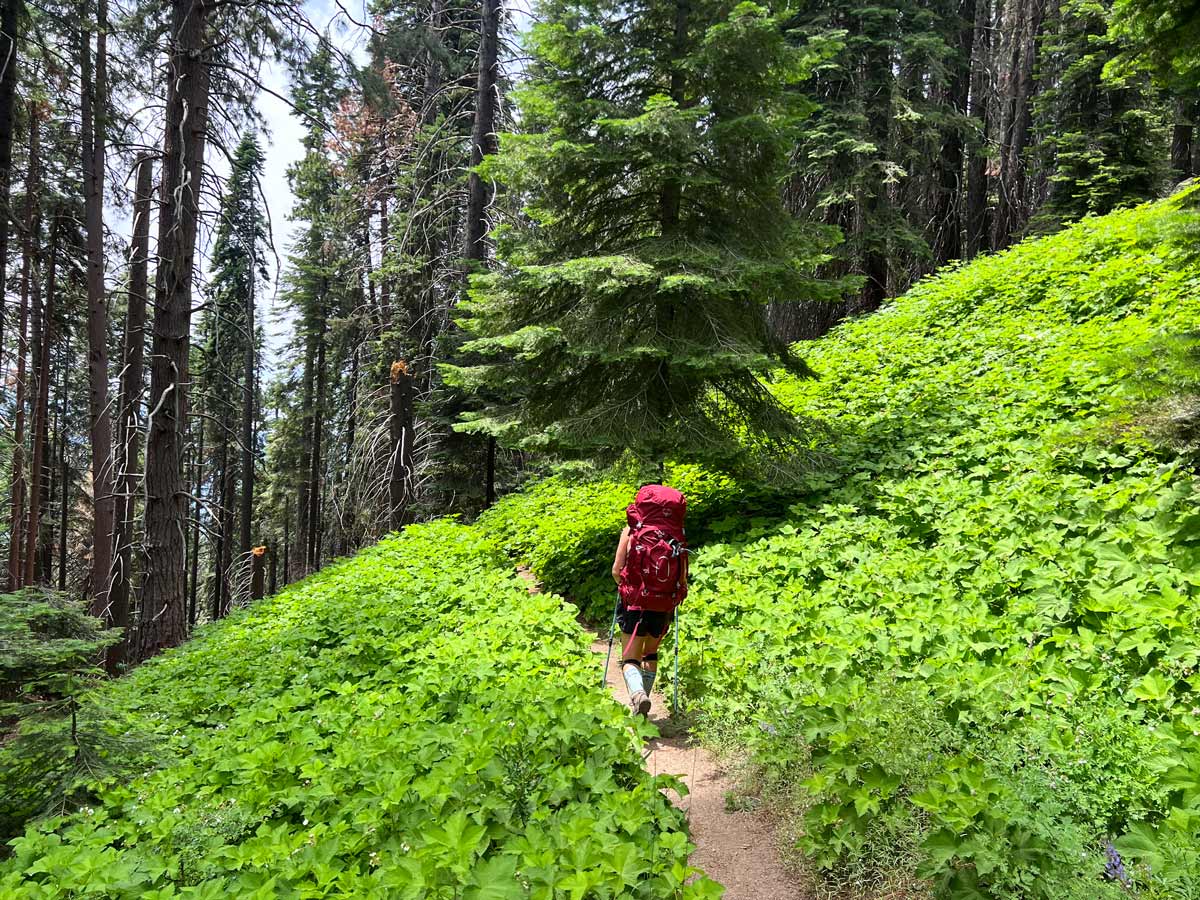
(633,678)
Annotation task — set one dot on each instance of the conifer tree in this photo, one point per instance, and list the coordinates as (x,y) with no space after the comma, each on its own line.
(627,311)
(317,285)
(1160,35)
(239,268)
(887,103)
(1099,139)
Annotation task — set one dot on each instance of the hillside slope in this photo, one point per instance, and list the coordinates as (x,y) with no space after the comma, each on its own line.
(969,648)
(966,650)
(409,723)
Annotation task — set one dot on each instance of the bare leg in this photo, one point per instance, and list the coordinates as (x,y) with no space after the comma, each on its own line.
(633,648)
(649,653)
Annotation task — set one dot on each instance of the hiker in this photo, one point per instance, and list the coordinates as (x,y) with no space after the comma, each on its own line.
(650,568)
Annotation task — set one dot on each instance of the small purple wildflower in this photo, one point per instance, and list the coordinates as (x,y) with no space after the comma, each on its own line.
(768,728)
(1114,866)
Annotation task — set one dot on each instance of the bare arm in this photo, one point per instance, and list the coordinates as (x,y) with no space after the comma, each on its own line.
(622,552)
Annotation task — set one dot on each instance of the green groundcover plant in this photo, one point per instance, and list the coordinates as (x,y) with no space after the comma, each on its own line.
(371,732)
(969,646)
(973,644)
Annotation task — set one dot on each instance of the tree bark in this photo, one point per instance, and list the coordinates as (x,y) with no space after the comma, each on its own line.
(223,557)
(16,557)
(349,536)
(489,493)
(308,411)
(41,418)
(197,511)
(1023,28)
(978,224)
(479,192)
(257,572)
(65,473)
(162,620)
(483,130)
(129,407)
(11,14)
(947,243)
(248,436)
(385,286)
(313,552)
(374,309)
(1183,136)
(93,102)
(287,540)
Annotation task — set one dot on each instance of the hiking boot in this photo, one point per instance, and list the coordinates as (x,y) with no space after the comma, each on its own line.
(639,703)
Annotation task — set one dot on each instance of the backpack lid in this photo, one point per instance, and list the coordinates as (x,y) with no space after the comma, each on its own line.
(657,505)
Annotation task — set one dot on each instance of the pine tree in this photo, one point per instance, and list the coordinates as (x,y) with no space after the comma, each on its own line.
(317,285)
(1100,143)
(628,309)
(881,158)
(1160,35)
(239,268)
(162,618)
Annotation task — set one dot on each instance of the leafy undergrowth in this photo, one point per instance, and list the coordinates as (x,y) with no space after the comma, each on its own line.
(565,527)
(972,648)
(408,723)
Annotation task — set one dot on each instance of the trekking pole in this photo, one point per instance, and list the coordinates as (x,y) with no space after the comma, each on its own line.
(612,629)
(675,711)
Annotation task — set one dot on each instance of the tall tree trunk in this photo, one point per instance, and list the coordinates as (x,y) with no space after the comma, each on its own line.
(257,573)
(489,485)
(877,103)
(349,538)
(41,416)
(287,540)
(978,225)
(1183,135)
(479,192)
(11,14)
(249,438)
(1023,25)
(16,558)
(375,311)
(402,434)
(385,281)
(65,473)
(162,620)
(308,411)
(483,130)
(129,406)
(197,512)
(47,538)
(223,557)
(947,242)
(93,103)
(313,551)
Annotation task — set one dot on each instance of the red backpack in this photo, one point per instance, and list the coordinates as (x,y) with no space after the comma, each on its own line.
(655,572)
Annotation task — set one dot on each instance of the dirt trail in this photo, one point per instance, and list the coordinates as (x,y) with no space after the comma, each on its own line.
(738,849)
(735,848)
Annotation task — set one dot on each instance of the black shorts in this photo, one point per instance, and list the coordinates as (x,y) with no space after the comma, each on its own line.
(646,621)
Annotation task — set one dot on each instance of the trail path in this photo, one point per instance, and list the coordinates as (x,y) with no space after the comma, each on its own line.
(738,849)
